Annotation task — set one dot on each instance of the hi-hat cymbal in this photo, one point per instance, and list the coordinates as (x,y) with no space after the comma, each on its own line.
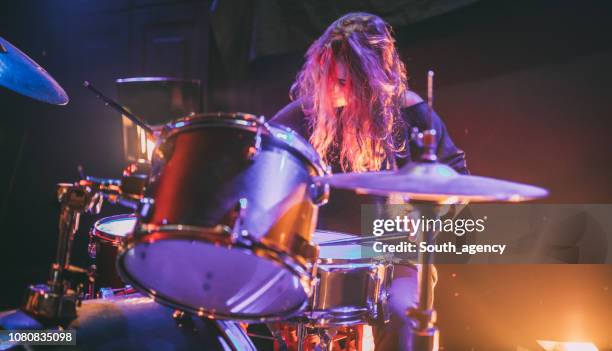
(434,182)
(21,74)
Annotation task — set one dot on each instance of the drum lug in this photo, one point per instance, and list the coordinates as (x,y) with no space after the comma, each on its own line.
(255,149)
(145,208)
(383,313)
(91,247)
(319,193)
(240,213)
(135,180)
(91,281)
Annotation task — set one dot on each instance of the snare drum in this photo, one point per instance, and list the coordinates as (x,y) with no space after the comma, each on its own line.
(352,285)
(105,238)
(225,228)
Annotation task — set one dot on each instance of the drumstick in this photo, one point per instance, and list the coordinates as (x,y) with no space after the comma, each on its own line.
(430,76)
(114,105)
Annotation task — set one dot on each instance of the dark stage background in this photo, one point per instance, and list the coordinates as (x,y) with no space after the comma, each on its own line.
(523,86)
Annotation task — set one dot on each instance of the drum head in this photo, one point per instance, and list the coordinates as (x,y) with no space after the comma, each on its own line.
(214,280)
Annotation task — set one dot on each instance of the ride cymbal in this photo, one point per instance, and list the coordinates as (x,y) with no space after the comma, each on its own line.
(434,182)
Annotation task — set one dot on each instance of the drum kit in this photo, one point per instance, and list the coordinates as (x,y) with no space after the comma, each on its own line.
(222,231)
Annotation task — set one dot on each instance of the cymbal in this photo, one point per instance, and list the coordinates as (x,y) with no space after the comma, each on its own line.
(434,182)
(21,74)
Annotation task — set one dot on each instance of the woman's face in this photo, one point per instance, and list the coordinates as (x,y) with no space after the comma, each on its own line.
(341,85)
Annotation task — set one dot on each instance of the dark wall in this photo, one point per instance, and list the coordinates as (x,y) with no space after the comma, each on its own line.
(522,86)
(43,144)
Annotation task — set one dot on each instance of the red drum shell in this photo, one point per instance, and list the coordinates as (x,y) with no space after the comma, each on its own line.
(106,238)
(227,226)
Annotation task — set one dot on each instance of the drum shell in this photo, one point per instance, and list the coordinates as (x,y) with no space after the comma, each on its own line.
(226,191)
(352,284)
(199,180)
(349,292)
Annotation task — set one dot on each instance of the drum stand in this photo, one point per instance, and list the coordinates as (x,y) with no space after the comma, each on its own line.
(57,301)
(326,337)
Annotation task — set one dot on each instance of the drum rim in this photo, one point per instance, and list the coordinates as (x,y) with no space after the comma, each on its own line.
(108,237)
(305,275)
(379,259)
(299,144)
(330,317)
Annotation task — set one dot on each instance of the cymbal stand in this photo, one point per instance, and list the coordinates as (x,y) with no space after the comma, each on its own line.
(425,334)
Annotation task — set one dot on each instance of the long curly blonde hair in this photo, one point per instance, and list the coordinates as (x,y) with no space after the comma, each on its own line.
(363,132)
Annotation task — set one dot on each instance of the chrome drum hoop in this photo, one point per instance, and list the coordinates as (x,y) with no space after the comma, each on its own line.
(220,236)
(110,238)
(341,311)
(251,123)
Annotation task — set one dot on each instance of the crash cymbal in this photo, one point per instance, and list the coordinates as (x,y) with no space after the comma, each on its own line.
(21,74)
(434,182)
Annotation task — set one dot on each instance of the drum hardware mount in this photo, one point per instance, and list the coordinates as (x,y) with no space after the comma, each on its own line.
(383,313)
(57,300)
(319,191)
(326,337)
(240,212)
(107,292)
(184,320)
(302,333)
(425,334)
(135,180)
(127,192)
(255,149)
(276,335)
(145,207)
(425,140)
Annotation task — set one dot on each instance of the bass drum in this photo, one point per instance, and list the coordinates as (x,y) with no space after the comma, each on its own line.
(225,227)
(137,323)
